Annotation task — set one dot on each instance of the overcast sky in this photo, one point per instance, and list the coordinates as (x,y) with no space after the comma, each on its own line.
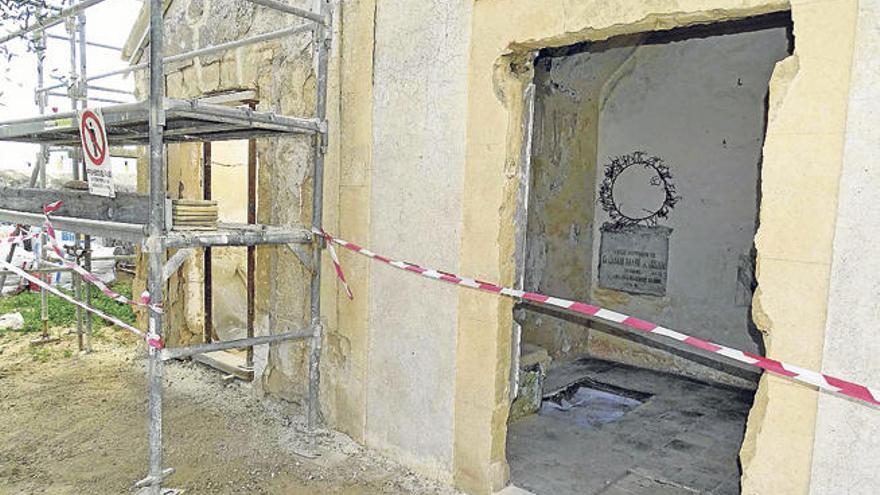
(110,23)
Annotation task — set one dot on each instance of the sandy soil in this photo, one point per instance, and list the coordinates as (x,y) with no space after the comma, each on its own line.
(75,424)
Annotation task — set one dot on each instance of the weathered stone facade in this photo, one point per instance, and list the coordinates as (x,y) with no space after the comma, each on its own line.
(426,111)
(282,75)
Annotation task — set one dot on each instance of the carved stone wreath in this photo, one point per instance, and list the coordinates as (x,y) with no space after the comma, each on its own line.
(660,177)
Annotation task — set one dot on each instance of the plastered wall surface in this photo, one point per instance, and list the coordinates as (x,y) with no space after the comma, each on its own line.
(347,211)
(848,433)
(698,104)
(417,155)
(799,189)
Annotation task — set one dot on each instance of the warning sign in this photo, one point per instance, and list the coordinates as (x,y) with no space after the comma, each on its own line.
(96,152)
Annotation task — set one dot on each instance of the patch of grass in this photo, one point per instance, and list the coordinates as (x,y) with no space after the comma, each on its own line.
(62,313)
(40,353)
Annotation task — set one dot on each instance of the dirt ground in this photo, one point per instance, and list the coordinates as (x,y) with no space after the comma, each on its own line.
(74,424)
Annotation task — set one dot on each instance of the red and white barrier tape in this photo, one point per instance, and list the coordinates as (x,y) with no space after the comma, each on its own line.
(152,339)
(52,242)
(18,237)
(796,373)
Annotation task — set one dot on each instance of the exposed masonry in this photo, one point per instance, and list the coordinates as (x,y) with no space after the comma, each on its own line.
(281,73)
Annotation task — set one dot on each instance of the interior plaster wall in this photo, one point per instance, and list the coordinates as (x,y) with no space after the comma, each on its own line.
(802,155)
(699,104)
(847,440)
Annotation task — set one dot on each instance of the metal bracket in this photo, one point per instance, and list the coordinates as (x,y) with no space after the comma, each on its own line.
(302,256)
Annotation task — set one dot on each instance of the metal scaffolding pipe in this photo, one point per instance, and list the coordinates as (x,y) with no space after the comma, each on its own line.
(51,20)
(113,230)
(110,90)
(77,155)
(322,42)
(154,245)
(182,352)
(48,269)
(209,50)
(89,43)
(290,9)
(102,100)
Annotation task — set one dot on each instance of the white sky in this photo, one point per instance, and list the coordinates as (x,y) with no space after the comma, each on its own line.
(108,22)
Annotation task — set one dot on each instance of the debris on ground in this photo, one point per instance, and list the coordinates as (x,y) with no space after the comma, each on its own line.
(77,423)
(11,321)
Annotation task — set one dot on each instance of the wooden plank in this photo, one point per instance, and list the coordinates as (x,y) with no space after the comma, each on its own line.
(226,362)
(125,208)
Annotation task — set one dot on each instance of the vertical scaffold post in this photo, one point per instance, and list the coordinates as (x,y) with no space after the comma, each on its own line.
(40,100)
(323,37)
(42,161)
(84,94)
(75,94)
(154,245)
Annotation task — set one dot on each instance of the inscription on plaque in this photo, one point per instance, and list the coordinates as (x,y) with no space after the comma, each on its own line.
(634,259)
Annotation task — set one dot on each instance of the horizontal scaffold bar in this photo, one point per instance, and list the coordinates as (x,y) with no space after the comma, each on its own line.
(290,9)
(50,21)
(112,230)
(89,43)
(126,207)
(238,235)
(182,352)
(186,120)
(208,50)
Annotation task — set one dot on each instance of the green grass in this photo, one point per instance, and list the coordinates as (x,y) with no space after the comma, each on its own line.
(62,313)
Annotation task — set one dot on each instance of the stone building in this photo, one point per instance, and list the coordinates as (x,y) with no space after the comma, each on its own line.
(476,137)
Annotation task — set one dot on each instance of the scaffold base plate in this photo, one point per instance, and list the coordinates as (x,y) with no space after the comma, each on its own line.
(165,491)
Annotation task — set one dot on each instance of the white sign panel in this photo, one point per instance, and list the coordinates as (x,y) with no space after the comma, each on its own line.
(96,152)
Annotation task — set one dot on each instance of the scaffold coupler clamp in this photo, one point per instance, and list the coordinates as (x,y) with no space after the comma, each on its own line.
(145,484)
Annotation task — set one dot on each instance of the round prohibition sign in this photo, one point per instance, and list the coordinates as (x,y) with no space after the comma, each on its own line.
(92,135)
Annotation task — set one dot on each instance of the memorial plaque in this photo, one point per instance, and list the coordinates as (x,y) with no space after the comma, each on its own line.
(634,259)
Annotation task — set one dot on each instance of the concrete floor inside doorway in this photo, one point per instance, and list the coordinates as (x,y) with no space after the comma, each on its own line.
(649,433)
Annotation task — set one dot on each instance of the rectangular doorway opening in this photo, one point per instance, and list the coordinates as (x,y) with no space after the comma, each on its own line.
(230,169)
(643,198)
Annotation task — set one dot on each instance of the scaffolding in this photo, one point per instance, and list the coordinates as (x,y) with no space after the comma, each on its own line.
(155,122)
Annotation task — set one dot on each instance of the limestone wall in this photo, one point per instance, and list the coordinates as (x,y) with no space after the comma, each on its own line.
(281,72)
(426,106)
(847,440)
(416,180)
(799,194)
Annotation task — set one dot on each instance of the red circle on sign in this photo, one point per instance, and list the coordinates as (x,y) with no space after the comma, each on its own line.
(100,149)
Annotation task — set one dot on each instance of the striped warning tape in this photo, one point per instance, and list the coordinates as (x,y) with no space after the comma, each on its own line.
(85,274)
(796,373)
(19,236)
(152,340)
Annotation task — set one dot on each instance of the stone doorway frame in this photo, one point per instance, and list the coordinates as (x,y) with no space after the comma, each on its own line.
(802,160)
